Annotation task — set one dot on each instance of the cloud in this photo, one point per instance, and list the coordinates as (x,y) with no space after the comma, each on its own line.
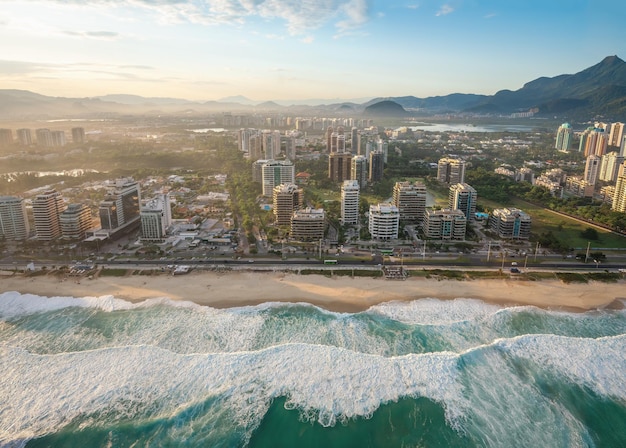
(24,69)
(300,16)
(445,10)
(101,35)
(490,16)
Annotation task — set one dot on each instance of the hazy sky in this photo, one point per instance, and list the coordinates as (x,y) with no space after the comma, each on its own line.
(299,49)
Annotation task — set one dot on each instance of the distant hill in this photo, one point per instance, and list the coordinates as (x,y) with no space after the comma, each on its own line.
(385,108)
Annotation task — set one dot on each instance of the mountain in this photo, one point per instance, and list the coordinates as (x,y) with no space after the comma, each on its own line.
(598,91)
(589,92)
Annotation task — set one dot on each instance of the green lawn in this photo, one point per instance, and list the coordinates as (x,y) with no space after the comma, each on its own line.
(566,229)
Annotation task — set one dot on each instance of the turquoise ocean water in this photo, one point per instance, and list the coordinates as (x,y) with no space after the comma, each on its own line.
(101,372)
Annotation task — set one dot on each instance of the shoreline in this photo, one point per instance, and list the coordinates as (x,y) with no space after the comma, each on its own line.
(338,294)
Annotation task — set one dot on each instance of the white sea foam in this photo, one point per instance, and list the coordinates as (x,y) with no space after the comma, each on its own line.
(435,311)
(13,304)
(48,392)
(598,364)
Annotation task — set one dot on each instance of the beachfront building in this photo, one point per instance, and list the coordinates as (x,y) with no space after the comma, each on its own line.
(339,165)
(276,172)
(450,171)
(358,170)
(75,222)
(287,198)
(445,224)
(156,218)
(384,221)
(13,219)
(308,224)
(120,207)
(410,199)
(350,192)
(510,223)
(463,197)
(47,209)
(564,137)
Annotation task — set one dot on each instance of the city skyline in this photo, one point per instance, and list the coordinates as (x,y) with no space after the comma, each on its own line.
(298,50)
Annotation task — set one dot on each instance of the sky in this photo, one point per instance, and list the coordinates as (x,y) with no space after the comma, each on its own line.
(299,49)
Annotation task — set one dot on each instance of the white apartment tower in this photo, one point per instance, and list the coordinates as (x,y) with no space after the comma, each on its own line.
(410,199)
(384,221)
(592,169)
(47,209)
(350,191)
(156,218)
(276,172)
(13,219)
(609,166)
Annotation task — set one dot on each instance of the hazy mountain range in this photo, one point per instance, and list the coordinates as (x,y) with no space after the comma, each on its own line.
(599,90)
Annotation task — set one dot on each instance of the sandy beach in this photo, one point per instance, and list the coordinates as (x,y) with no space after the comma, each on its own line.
(341,294)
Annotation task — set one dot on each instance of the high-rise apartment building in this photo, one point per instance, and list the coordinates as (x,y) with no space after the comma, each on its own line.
(350,192)
(592,169)
(450,171)
(377,166)
(44,138)
(271,144)
(6,137)
(384,221)
(308,225)
(13,219)
(564,137)
(609,166)
(78,135)
(463,197)
(47,209)
(276,172)
(444,224)
(510,223)
(619,196)
(354,140)
(156,218)
(358,170)
(75,222)
(593,141)
(121,204)
(287,198)
(25,137)
(339,166)
(58,138)
(616,134)
(410,199)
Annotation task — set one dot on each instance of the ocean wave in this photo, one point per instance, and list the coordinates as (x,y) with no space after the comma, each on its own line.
(492,390)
